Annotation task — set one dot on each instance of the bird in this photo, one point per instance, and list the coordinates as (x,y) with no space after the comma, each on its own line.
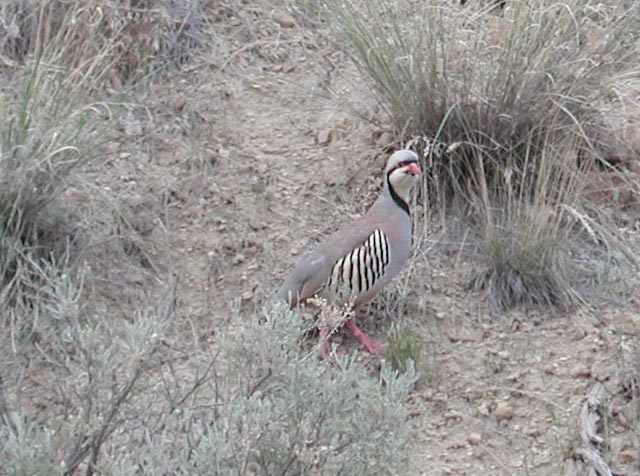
(350,266)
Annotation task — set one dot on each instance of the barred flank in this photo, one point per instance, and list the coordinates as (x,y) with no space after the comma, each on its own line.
(359,270)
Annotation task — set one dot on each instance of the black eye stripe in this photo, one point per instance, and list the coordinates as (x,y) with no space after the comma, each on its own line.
(404,163)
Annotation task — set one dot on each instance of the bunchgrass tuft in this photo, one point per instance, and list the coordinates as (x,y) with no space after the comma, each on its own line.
(520,93)
(71,63)
(403,349)
(52,122)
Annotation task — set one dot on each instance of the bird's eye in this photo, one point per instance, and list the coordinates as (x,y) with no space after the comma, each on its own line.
(403,164)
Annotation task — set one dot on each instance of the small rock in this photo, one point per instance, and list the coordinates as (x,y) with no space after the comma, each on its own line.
(550,369)
(247,295)
(628,455)
(477,453)
(472,395)
(452,415)
(483,409)
(515,377)
(238,259)
(578,334)
(440,315)
(178,103)
(619,429)
(323,137)
(533,431)
(385,139)
(580,370)
(288,66)
(503,411)
(474,438)
(284,20)
(255,224)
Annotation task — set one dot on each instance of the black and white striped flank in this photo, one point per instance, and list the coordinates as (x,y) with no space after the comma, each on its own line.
(359,270)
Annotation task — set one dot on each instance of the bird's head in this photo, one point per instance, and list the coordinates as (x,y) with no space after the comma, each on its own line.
(402,172)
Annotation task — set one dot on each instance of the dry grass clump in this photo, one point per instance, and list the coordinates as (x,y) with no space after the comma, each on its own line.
(60,101)
(145,33)
(521,93)
(527,234)
(54,118)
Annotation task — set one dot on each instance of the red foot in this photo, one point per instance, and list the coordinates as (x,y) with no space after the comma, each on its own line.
(372,346)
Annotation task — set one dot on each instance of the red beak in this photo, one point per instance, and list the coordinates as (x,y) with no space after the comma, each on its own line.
(413,169)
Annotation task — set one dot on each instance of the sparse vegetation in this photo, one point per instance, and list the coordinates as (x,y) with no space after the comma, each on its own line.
(136,249)
(107,391)
(60,102)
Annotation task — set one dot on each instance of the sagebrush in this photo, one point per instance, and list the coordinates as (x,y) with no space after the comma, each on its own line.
(116,397)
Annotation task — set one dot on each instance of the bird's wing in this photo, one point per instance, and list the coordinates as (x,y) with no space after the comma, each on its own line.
(315,269)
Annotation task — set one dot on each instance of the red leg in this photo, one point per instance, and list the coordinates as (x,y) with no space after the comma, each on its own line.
(373,347)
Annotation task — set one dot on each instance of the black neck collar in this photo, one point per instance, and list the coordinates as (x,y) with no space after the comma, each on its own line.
(396,198)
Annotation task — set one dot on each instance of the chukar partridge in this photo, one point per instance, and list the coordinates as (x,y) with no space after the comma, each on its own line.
(354,263)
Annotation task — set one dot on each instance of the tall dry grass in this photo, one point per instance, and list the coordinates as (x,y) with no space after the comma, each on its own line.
(518,92)
(70,66)
(54,119)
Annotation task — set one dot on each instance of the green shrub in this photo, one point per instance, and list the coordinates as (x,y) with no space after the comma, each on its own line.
(28,448)
(279,410)
(403,349)
(110,396)
(71,375)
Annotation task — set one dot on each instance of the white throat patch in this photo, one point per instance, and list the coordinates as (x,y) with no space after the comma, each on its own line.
(402,183)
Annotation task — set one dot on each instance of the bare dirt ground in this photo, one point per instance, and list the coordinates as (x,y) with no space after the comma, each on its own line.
(260,154)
